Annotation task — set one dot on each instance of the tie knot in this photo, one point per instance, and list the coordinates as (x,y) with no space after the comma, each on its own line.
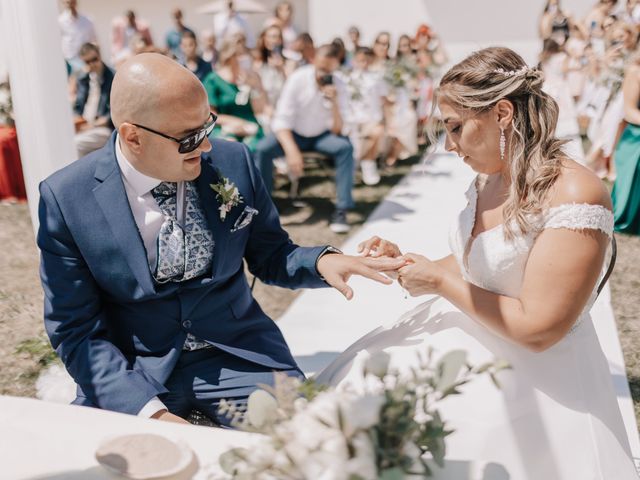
(165,190)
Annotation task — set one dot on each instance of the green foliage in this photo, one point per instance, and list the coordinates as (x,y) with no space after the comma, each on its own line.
(397,414)
(39,349)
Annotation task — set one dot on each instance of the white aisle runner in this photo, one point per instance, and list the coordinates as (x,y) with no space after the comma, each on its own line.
(417,216)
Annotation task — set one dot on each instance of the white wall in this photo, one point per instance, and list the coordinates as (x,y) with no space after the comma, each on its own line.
(158,14)
(463,25)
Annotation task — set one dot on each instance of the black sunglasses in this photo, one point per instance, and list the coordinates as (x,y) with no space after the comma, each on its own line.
(193,140)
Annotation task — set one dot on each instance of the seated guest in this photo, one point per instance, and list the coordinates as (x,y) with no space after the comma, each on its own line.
(269,63)
(190,57)
(353,42)
(92,105)
(173,38)
(381,46)
(283,18)
(365,115)
(405,52)
(308,118)
(234,93)
(209,50)
(301,53)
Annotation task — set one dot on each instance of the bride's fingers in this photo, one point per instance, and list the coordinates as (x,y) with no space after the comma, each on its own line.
(412,257)
(365,247)
(383,264)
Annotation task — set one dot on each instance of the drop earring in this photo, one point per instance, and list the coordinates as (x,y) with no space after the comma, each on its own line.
(503,143)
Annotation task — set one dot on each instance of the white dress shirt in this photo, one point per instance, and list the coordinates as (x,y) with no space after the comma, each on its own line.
(146,212)
(303,108)
(75,33)
(149,219)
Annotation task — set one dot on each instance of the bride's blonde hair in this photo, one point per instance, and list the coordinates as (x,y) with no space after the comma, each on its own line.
(534,154)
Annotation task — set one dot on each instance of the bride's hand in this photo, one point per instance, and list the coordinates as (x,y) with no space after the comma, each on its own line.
(378,247)
(420,276)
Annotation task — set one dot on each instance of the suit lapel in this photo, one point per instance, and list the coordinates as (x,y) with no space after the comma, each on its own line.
(112,198)
(210,205)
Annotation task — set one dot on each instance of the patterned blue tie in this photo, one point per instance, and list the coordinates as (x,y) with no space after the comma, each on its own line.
(183,253)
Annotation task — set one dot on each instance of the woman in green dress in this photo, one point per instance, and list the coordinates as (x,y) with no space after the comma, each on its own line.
(235,95)
(626,190)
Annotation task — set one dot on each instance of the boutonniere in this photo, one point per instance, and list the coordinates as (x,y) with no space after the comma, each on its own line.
(227,194)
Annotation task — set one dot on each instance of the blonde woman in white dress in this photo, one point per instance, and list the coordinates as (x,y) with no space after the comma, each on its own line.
(527,255)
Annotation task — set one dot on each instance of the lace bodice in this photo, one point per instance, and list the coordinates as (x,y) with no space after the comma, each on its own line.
(496,264)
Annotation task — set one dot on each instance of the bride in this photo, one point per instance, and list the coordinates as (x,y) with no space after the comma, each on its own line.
(527,253)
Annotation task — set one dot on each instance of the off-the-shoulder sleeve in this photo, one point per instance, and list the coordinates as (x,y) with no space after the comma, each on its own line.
(580,216)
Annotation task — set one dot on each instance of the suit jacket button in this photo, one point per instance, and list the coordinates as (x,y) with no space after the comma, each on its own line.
(186,324)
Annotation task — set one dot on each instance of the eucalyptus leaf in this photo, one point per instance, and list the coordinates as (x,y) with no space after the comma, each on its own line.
(448,369)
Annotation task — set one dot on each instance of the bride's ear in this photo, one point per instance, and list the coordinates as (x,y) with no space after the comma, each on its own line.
(504,112)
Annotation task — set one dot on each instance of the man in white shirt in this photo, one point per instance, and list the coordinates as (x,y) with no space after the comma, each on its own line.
(76,30)
(308,117)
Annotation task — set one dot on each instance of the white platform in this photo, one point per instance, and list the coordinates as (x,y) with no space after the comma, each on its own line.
(44,440)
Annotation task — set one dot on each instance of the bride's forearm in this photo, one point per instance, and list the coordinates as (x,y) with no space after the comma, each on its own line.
(450,264)
(504,315)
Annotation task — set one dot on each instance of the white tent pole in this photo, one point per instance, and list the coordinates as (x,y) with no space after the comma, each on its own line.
(38,79)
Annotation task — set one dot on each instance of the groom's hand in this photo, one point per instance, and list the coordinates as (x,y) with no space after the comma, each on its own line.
(336,269)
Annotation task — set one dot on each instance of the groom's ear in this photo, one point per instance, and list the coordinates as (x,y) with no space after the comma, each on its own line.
(130,135)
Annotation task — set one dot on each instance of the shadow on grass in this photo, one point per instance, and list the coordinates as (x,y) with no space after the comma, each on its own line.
(317,192)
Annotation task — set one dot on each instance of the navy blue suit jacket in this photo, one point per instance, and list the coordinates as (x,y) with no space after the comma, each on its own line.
(117,331)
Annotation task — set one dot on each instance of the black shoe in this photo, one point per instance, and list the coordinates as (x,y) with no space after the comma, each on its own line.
(338,222)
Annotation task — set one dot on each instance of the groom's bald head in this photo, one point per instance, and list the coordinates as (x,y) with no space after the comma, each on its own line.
(153,88)
(154,101)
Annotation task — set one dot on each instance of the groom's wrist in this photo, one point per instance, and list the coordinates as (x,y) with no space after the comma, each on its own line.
(152,408)
(329,249)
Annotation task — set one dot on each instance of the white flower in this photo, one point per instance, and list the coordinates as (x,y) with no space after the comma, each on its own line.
(378,364)
(362,413)
(224,209)
(363,463)
(261,408)
(227,194)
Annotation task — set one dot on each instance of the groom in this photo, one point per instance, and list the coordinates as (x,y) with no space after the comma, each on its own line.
(142,246)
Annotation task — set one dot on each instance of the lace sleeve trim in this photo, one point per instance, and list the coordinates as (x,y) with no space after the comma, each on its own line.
(579,216)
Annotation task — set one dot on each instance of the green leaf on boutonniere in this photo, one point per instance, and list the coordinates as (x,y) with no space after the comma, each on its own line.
(227,194)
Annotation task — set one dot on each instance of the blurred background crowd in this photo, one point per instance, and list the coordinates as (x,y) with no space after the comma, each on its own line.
(360,108)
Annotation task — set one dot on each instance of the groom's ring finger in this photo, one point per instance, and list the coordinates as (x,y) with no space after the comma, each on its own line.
(374,275)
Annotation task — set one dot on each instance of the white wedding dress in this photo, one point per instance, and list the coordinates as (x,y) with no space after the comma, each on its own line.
(556,416)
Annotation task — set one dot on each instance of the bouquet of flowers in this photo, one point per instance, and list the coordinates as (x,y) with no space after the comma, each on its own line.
(388,428)
(399,74)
